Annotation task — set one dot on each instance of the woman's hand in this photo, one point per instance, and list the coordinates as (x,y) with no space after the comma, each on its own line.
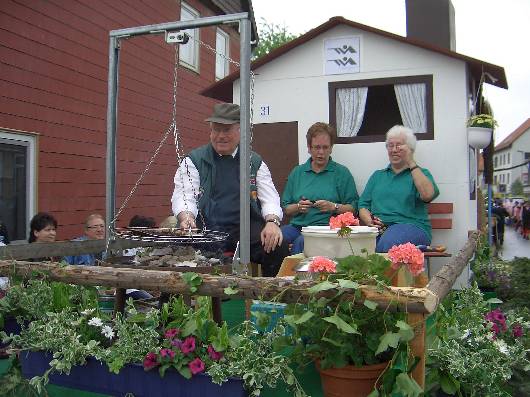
(325,206)
(304,205)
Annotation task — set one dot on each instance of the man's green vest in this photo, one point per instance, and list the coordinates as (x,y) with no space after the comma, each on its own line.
(203,159)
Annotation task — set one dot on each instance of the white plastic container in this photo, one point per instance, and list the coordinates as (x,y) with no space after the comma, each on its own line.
(323,241)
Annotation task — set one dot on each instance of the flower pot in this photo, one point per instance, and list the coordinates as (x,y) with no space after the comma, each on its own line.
(350,380)
(478,137)
(323,241)
(132,379)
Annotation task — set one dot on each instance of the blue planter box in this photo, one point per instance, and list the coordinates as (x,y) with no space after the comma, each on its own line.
(95,377)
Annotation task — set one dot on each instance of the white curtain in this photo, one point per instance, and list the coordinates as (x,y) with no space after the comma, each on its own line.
(411,102)
(350,105)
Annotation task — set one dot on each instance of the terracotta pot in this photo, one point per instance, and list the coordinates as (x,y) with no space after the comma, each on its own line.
(350,380)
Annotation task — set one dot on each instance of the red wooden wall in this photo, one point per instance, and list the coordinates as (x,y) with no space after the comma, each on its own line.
(53,82)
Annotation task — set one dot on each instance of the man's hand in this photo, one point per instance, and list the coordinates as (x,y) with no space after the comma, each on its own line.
(325,206)
(271,237)
(186,220)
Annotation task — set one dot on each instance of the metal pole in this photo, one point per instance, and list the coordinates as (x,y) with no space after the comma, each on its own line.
(112,110)
(180,25)
(490,228)
(244,101)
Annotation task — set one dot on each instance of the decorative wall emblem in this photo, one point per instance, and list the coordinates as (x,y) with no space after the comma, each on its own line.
(342,55)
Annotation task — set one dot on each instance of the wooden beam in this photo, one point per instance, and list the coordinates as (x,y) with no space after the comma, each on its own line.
(282,289)
(442,282)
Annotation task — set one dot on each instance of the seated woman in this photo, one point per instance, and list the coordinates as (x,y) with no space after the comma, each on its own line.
(396,197)
(43,228)
(317,189)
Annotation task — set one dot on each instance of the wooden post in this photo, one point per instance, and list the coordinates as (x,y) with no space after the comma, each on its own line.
(417,345)
(119,303)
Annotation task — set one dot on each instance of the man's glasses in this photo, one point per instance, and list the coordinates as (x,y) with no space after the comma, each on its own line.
(316,148)
(96,227)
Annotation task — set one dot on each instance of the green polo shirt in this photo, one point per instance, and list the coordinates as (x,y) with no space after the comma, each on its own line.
(334,183)
(394,198)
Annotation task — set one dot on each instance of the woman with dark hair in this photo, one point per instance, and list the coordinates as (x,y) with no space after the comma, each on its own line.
(43,228)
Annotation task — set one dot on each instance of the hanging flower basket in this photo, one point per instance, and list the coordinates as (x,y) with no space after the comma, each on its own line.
(479,137)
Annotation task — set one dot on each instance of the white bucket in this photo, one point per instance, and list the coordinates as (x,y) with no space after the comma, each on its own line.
(324,241)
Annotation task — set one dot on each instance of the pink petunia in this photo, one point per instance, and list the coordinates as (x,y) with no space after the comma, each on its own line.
(167,353)
(188,345)
(171,333)
(409,255)
(196,366)
(322,264)
(150,361)
(214,355)
(343,220)
(517,331)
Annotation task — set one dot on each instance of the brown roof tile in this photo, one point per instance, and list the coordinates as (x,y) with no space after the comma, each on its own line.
(507,142)
(223,88)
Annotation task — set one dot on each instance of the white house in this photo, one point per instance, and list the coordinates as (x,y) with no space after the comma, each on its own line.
(346,73)
(510,158)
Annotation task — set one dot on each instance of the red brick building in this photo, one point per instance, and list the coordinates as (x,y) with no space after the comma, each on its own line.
(53,104)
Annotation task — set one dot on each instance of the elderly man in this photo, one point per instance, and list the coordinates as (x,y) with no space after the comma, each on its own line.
(208,181)
(94,230)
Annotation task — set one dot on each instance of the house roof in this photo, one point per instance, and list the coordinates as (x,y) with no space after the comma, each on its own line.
(495,75)
(507,142)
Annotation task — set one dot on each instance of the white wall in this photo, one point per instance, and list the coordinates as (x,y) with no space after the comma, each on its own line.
(295,88)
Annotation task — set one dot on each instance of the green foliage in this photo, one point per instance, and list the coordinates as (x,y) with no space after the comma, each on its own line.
(517,188)
(467,358)
(481,120)
(519,294)
(271,36)
(193,280)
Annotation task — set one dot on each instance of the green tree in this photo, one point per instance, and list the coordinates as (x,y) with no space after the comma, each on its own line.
(516,188)
(271,36)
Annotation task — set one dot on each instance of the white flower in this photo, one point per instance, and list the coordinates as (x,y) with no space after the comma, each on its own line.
(502,346)
(107,331)
(87,312)
(95,321)
(467,332)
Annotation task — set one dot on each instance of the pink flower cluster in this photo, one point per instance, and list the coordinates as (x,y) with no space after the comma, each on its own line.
(498,320)
(321,264)
(343,220)
(409,255)
(187,351)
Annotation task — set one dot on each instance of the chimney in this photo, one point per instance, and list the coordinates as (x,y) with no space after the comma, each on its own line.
(432,21)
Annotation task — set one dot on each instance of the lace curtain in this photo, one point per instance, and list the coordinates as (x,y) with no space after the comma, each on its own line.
(350,105)
(411,102)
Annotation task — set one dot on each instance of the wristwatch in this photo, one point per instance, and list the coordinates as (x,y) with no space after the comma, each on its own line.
(337,207)
(274,220)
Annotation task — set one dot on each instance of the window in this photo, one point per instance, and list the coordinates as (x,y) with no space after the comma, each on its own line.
(189,53)
(364,110)
(17,174)
(495,161)
(494,179)
(508,179)
(503,159)
(508,161)
(221,48)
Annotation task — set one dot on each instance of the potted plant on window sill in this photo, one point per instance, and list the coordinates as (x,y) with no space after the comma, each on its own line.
(480,130)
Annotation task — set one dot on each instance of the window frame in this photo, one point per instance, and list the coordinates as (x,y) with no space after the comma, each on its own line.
(221,32)
(195,64)
(333,86)
(29,140)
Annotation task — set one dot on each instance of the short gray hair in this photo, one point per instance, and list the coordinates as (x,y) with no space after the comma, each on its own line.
(399,130)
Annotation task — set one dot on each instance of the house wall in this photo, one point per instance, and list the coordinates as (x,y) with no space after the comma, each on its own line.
(517,152)
(295,88)
(54,68)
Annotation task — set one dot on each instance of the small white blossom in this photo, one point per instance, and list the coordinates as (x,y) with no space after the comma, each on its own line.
(502,346)
(107,331)
(467,332)
(87,312)
(95,321)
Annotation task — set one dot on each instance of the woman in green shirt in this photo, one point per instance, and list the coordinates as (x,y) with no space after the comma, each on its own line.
(316,189)
(396,197)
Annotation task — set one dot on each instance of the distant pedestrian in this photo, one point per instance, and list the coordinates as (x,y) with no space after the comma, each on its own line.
(525,220)
(501,214)
(4,235)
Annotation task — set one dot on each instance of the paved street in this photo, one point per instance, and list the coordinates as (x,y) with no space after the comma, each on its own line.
(514,245)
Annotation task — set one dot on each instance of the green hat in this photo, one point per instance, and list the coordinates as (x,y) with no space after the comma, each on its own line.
(225,113)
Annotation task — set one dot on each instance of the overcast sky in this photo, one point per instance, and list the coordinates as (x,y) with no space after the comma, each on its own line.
(495,31)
